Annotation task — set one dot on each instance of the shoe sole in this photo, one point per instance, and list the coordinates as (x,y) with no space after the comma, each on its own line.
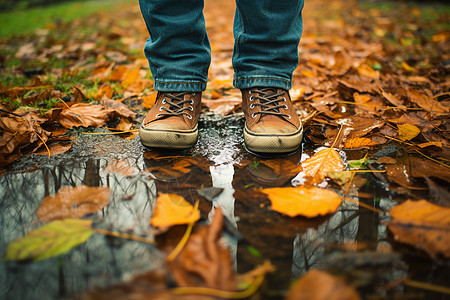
(168,139)
(272,143)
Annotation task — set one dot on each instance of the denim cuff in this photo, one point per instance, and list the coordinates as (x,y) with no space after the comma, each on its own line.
(262,81)
(179,86)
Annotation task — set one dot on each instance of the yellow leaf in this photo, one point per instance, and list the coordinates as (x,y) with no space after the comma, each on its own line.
(131,78)
(149,100)
(172,209)
(324,161)
(359,143)
(308,202)
(407,132)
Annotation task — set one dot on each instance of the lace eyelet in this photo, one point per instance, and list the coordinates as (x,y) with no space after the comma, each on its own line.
(251,98)
(158,115)
(250,92)
(191,108)
(252,106)
(189,117)
(161,108)
(289,117)
(284,99)
(164,101)
(285,106)
(193,94)
(192,101)
(253,115)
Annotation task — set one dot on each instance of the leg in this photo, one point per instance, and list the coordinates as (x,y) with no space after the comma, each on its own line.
(178,48)
(265,54)
(179,54)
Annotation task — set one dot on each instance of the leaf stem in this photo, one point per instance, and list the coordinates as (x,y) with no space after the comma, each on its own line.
(49,154)
(222,294)
(124,235)
(59,98)
(427,286)
(107,133)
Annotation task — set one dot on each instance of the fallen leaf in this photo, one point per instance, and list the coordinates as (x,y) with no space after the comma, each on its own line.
(120,108)
(131,78)
(386,160)
(319,285)
(428,144)
(392,99)
(317,166)
(172,209)
(205,261)
(55,238)
(301,201)
(438,195)
(149,100)
(421,167)
(223,106)
(55,149)
(359,143)
(73,202)
(85,115)
(423,225)
(407,132)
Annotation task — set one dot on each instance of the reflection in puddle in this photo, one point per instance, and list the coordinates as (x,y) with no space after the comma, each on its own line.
(293,245)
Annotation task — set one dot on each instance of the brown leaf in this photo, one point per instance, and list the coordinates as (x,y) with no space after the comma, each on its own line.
(421,167)
(392,99)
(324,161)
(423,225)
(301,201)
(118,107)
(223,106)
(426,102)
(149,100)
(205,261)
(73,202)
(55,149)
(85,115)
(318,285)
(438,195)
(359,143)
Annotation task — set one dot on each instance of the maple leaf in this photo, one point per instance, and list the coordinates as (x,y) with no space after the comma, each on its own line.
(317,166)
(308,202)
(423,225)
(172,209)
(73,202)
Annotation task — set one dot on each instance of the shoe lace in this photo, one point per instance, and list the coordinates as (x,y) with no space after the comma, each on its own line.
(270,102)
(176,103)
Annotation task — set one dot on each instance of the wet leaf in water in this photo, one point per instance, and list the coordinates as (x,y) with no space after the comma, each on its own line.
(85,115)
(407,132)
(120,166)
(55,149)
(172,209)
(301,201)
(52,239)
(319,285)
(359,143)
(317,166)
(438,195)
(73,202)
(423,225)
(205,261)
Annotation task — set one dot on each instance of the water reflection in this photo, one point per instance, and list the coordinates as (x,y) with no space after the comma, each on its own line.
(293,245)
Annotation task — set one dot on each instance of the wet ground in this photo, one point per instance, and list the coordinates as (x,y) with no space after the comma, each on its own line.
(254,233)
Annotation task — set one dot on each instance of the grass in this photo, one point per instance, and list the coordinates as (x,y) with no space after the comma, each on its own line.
(19,22)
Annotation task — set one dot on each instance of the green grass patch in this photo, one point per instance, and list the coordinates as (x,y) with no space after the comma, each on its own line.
(19,22)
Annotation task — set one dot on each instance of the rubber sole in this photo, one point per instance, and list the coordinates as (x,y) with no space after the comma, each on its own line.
(272,143)
(168,139)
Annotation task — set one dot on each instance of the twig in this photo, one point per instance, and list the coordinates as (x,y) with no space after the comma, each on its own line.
(183,240)
(222,294)
(378,211)
(124,236)
(10,113)
(432,159)
(365,171)
(107,133)
(63,102)
(427,286)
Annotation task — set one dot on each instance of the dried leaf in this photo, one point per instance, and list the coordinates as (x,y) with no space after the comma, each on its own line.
(120,108)
(308,202)
(55,238)
(407,132)
(73,202)
(205,261)
(172,209)
(423,225)
(318,285)
(149,100)
(317,166)
(85,115)
(426,102)
(359,143)
(55,149)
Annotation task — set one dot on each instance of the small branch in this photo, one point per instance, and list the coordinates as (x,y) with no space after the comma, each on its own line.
(49,154)
(427,286)
(108,133)
(9,113)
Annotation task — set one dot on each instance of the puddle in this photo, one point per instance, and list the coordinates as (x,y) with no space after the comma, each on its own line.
(254,233)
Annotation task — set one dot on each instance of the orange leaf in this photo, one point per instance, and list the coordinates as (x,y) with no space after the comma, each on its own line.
(131,78)
(172,209)
(308,202)
(73,202)
(423,225)
(85,115)
(318,285)
(149,100)
(359,143)
(324,161)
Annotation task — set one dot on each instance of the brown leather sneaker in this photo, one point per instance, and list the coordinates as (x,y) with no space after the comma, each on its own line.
(271,122)
(172,121)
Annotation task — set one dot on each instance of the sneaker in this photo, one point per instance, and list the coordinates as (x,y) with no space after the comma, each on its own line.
(271,122)
(172,121)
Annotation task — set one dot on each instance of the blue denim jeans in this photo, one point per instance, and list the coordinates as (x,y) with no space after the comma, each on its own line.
(266,32)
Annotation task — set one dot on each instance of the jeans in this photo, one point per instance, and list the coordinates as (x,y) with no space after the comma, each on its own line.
(266,32)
